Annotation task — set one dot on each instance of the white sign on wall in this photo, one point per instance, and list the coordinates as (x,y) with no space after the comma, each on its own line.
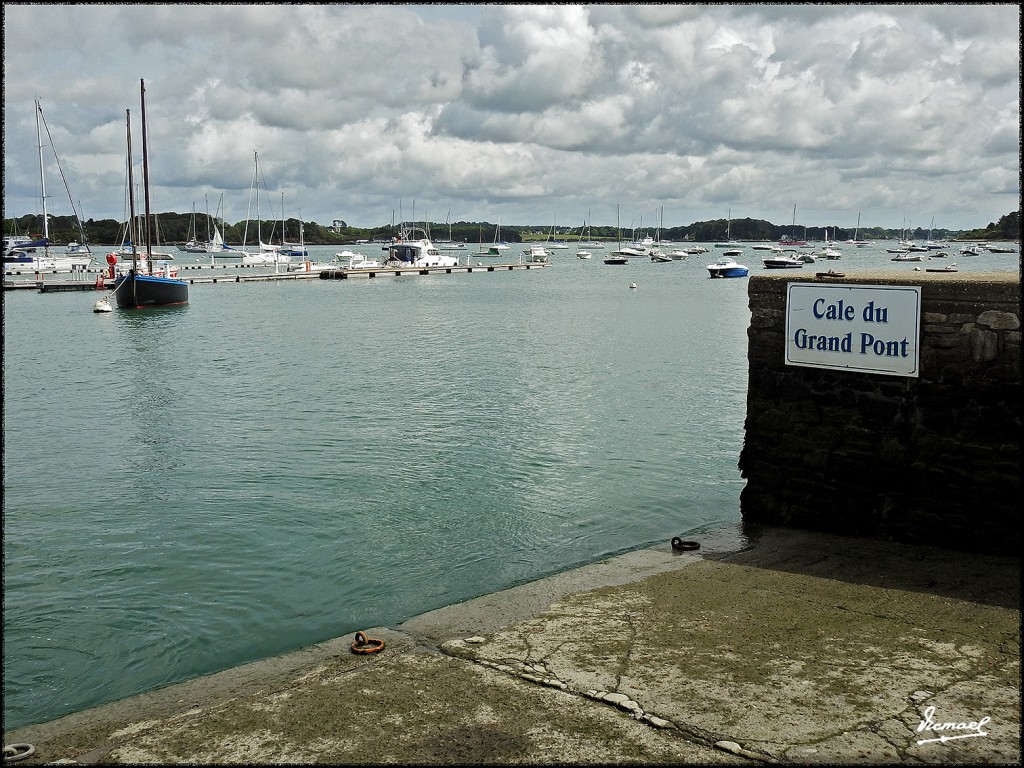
(868,328)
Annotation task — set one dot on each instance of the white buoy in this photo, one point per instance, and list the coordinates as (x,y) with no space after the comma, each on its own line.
(102,306)
(632,286)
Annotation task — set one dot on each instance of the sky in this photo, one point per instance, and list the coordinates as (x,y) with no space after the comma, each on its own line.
(527,114)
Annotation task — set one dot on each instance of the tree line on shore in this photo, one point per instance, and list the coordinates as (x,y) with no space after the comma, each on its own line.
(179,227)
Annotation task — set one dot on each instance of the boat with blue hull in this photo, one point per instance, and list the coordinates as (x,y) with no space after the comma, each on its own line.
(141,286)
(727,267)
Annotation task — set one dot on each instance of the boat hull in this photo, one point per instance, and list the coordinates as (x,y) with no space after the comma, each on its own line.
(138,291)
(728,272)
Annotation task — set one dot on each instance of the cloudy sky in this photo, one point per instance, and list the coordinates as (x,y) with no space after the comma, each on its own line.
(537,114)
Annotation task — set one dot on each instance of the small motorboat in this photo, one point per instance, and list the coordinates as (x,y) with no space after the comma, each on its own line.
(727,267)
(782,261)
(358,261)
(583,254)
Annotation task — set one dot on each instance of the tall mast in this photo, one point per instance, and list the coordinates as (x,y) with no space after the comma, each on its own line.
(145,179)
(42,182)
(256,176)
(131,192)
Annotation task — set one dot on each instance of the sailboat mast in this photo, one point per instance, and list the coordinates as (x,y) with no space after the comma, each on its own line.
(42,182)
(131,196)
(145,179)
(256,177)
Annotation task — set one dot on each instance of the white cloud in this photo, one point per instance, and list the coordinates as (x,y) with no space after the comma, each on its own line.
(357,109)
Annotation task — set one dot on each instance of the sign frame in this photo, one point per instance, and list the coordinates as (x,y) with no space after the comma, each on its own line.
(836,326)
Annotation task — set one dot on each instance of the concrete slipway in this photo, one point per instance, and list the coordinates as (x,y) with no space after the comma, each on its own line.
(771,646)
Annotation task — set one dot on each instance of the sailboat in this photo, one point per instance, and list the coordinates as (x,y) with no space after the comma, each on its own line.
(729,242)
(141,288)
(658,255)
(216,246)
(23,253)
(617,256)
(590,243)
(793,239)
(552,244)
(293,249)
(268,254)
(499,245)
(449,244)
(856,233)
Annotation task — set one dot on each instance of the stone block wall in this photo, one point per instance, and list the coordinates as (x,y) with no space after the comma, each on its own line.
(934,459)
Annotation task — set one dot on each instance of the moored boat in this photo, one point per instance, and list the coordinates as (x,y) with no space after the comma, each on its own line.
(414,248)
(782,261)
(727,267)
(537,252)
(141,288)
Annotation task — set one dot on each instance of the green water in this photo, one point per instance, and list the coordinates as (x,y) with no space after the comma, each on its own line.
(272,465)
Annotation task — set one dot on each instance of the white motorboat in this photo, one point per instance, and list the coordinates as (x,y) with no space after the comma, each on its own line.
(413,248)
(583,254)
(537,252)
(908,256)
(727,267)
(782,261)
(357,261)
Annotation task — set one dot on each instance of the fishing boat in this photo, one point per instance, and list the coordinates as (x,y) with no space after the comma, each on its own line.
(144,287)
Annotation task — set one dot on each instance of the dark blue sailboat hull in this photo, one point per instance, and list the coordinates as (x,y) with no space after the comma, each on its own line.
(136,291)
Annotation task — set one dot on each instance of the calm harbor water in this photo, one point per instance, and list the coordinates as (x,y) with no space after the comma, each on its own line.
(272,465)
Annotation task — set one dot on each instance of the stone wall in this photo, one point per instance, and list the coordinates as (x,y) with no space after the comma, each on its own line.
(933,459)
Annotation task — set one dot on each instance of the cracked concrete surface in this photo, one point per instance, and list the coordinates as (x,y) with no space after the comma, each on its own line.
(793,647)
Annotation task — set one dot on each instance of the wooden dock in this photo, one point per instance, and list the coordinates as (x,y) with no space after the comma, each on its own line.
(86,283)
